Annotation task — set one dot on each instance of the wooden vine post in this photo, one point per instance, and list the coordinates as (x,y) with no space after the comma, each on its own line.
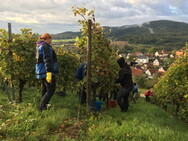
(12,77)
(89,66)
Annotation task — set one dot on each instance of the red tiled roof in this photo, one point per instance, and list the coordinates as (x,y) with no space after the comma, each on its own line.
(136,71)
(179,53)
(165,52)
(160,52)
(149,55)
(138,53)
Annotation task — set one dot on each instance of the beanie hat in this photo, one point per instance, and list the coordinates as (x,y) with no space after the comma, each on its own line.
(121,61)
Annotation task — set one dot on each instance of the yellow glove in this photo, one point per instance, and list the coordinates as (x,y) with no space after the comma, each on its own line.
(49,77)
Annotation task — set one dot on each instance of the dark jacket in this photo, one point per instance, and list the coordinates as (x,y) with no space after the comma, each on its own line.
(125,74)
(46,60)
(81,72)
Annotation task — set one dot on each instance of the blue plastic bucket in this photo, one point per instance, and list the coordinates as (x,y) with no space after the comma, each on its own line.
(98,105)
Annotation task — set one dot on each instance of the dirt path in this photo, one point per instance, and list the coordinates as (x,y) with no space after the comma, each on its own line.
(142,95)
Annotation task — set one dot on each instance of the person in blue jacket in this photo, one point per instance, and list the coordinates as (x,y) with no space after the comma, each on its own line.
(135,92)
(46,68)
(79,75)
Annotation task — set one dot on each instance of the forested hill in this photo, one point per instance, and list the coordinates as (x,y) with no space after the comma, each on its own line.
(159,33)
(169,34)
(153,27)
(66,35)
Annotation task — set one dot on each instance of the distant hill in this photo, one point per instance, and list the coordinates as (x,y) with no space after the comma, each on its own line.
(170,34)
(152,27)
(66,35)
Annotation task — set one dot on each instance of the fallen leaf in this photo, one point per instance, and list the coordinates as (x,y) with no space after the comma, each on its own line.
(33,133)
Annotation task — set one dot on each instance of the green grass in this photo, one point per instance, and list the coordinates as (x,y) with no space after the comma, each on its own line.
(142,122)
(142,90)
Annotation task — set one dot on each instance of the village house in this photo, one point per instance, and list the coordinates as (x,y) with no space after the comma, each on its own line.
(142,59)
(150,56)
(138,53)
(172,56)
(122,55)
(147,66)
(156,62)
(162,69)
(162,54)
(150,72)
(178,53)
(131,56)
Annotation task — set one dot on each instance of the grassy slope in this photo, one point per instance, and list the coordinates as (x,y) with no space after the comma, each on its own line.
(143,122)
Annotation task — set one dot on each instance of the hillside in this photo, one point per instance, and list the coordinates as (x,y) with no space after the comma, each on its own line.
(152,27)
(170,34)
(164,33)
(66,35)
(143,121)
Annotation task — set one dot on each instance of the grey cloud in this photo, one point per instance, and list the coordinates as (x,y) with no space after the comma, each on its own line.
(119,3)
(115,14)
(176,3)
(184,8)
(52,28)
(56,15)
(160,9)
(27,5)
(55,28)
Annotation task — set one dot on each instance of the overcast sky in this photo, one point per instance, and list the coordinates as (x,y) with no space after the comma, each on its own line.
(56,16)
